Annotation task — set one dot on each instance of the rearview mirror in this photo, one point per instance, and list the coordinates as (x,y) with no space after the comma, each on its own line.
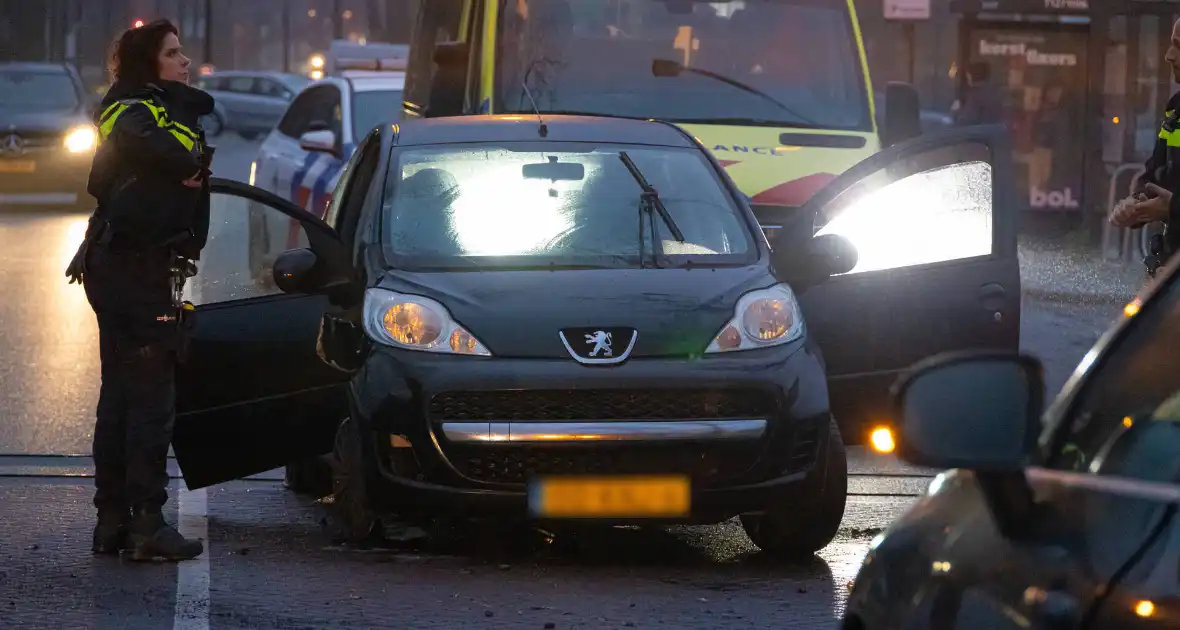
(666,68)
(903,116)
(555,171)
(323,141)
(293,271)
(978,411)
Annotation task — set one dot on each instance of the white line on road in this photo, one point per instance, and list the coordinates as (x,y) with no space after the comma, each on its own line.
(192,577)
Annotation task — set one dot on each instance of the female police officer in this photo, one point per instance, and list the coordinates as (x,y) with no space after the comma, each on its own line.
(150,177)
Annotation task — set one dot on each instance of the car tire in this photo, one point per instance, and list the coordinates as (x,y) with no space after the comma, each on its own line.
(356,520)
(311,477)
(797,532)
(213,125)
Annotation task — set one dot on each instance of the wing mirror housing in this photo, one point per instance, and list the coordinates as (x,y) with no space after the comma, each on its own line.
(811,262)
(977,411)
(295,271)
(903,115)
(321,141)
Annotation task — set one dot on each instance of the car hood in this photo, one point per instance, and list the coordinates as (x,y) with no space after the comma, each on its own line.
(677,312)
(53,120)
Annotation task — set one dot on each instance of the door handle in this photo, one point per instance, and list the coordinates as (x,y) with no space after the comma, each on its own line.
(992,297)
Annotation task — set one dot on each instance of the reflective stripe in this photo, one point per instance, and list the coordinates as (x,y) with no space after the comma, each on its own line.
(183,134)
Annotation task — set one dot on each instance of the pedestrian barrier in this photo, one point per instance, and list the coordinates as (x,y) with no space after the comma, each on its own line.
(1125,244)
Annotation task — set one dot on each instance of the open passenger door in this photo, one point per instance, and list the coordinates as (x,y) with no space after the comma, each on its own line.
(253,394)
(933,220)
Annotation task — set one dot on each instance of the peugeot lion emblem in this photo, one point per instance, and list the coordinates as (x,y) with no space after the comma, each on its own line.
(596,345)
(600,339)
(13,145)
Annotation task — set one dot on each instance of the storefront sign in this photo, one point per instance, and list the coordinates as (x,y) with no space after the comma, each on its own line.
(1021,6)
(1033,56)
(907,9)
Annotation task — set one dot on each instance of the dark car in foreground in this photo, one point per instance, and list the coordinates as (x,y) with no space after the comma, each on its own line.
(1066,519)
(47,138)
(574,318)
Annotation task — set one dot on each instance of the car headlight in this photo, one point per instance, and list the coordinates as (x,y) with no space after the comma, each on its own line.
(762,318)
(414,322)
(81,139)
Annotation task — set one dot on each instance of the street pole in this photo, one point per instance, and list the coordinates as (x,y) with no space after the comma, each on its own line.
(209,31)
(286,35)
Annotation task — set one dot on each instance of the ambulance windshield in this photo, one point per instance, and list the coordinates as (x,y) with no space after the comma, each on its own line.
(664,58)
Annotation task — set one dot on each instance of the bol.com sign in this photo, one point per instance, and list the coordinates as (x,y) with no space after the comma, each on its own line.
(1054,199)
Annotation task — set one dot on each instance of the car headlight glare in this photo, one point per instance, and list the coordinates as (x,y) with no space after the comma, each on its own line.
(762,318)
(414,322)
(81,139)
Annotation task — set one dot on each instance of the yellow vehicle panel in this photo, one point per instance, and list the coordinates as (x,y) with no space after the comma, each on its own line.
(775,174)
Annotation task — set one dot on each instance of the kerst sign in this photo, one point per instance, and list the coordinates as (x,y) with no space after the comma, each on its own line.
(907,9)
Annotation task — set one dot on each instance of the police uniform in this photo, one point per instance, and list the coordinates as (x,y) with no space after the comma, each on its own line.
(1163,170)
(143,240)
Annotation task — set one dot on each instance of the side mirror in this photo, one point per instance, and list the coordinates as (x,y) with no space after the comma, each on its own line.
(294,271)
(323,141)
(977,411)
(665,68)
(902,114)
(807,264)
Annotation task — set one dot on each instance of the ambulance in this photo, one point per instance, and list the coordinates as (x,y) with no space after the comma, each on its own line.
(778,91)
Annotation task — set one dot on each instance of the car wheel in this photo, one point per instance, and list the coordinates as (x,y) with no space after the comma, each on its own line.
(356,520)
(311,477)
(797,532)
(213,125)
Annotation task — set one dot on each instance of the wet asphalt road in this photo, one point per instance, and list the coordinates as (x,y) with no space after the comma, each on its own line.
(269,563)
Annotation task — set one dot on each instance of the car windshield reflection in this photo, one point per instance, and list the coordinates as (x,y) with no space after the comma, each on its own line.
(556,204)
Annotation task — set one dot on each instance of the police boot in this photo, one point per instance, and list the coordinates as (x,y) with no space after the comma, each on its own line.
(111,532)
(154,539)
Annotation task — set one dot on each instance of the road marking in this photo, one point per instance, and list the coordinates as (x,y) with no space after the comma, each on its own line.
(192,577)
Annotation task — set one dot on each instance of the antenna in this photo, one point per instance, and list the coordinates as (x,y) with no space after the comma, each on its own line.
(543,130)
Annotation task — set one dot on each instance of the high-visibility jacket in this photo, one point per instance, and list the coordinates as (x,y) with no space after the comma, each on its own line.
(150,141)
(1163,170)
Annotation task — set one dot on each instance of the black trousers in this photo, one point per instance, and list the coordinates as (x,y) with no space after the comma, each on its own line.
(131,294)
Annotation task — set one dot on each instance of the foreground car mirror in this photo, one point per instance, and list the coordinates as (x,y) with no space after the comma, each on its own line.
(804,265)
(978,411)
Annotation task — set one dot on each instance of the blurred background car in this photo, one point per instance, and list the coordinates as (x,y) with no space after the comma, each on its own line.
(47,136)
(249,103)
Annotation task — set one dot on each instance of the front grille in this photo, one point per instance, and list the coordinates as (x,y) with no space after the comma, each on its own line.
(599,404)
(705,463)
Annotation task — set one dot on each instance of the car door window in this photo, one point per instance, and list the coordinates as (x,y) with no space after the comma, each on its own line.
(933,207)
(320,104)
(268,88)
(347,175)
(241,85)
(295,122)
(1126,420)
(245,238)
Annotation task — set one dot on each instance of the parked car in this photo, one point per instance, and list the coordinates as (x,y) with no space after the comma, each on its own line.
(47,136)
(1061,519)
(249,103)
(510,316)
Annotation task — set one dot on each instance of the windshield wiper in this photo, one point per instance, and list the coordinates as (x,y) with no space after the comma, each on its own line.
(649,198)
(671,68)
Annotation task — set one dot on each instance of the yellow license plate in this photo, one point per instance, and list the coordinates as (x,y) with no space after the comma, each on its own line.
(610,497)
(17,166)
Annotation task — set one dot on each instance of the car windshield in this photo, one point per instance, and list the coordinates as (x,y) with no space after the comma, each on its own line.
(594,56)
(555,204)
(372,108)
(22,89)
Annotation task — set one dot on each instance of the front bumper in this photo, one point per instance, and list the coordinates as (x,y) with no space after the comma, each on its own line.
(45,177)
(464,436)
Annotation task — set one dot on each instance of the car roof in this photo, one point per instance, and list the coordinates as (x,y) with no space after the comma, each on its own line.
(365,81)
(525,128)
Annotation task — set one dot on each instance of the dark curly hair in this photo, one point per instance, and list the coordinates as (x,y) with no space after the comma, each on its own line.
(134,56)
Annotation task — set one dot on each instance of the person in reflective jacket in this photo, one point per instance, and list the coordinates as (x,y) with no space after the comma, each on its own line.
(150,178)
